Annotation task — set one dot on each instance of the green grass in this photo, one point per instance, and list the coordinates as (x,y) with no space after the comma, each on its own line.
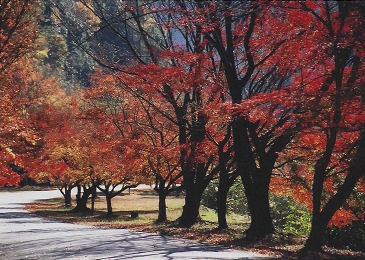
(143,202)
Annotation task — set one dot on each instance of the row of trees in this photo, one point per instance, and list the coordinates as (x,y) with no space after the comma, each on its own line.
(272,92)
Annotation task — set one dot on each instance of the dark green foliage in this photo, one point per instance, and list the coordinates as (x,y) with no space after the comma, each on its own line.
(347,237)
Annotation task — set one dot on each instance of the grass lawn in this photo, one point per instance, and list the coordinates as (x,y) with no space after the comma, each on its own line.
(145,202)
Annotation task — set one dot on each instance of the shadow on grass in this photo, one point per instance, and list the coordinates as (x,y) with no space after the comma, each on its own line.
(67,215)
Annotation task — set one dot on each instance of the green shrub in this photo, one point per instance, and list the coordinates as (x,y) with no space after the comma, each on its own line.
(236,199)
(209,197)
(237,202)
(289,216)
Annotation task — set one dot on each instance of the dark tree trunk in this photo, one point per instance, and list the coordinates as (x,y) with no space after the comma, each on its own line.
(222,194)
(193,194)
(261,221)
(81,204)
(190,214)
(78,194)
(67,196)
(110,193)
(162,217)
(257,197)
(259,206)
(81,199)
(316,236)
(226,180)
(320,218)
(108,198)
(255,182)
(93,196)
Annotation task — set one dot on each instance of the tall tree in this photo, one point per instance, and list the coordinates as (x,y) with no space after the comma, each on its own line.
(340,25)
(242,33)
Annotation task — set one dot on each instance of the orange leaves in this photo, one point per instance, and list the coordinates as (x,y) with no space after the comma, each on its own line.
(342,218)
(18,30)
(19,94)
(185,75)
(313,140)
(106,85)
(7,175)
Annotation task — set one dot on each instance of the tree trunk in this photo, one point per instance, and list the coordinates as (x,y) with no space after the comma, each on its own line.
(259,207)
(316,236)
(190,214)
(78,194)
(162,217)
(67,197)
(108,198)
(93,196)
(320,218)
(81,204)
(81,200)
(255,182)
(222,194)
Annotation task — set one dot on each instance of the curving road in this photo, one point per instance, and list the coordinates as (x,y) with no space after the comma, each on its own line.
(27,236)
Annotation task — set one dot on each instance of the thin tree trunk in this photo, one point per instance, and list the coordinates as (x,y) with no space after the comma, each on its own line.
(67,196)
(108,198)
(222,194)
(93,196)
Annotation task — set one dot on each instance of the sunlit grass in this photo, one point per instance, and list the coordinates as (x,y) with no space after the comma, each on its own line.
(144,202)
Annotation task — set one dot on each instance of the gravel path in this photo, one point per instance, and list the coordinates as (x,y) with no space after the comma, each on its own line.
(27,236)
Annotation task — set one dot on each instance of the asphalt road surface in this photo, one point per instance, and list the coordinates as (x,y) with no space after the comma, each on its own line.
(27,236)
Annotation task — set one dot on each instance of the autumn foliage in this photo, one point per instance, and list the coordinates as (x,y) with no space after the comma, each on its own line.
(268,91)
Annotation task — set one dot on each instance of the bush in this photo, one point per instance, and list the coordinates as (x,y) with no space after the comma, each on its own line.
(236,199)
(209,197)
(289,216)
(347,237)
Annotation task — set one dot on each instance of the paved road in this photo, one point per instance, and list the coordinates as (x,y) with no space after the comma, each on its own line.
(27,236)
